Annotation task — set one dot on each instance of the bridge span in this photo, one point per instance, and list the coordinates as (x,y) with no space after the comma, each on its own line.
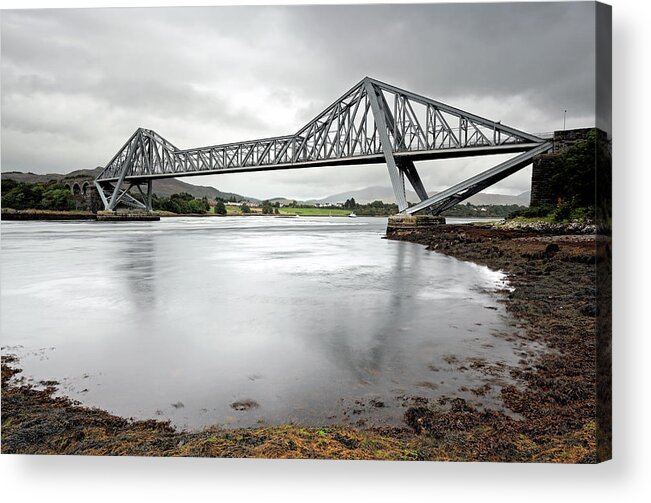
(373,122)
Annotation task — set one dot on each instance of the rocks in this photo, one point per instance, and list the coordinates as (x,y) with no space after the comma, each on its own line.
(590,310)
(551,249)
(245,405)
(549,227)
(552,271)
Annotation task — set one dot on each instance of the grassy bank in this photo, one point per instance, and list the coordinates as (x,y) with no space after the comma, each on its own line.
(11,214)
(315,212)
(318,212)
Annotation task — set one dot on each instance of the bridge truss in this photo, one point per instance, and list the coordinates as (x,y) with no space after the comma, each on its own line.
(373,122)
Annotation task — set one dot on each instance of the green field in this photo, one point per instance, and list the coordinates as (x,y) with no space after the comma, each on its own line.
(235,210)
(314,211)
(231,210)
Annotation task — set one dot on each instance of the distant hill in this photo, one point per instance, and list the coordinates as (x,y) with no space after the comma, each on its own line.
(385,194)
(484,198)
(163,187)
(19,176)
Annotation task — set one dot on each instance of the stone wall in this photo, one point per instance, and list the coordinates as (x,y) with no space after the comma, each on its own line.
(566,138)
(84,192)
(541,189)
(545,166)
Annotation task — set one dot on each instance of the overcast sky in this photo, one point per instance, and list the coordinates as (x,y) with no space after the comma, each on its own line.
(77,83)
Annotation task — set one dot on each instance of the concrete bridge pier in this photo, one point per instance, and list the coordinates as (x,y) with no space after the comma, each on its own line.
(401,223)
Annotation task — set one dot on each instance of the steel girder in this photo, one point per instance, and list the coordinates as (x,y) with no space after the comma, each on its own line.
(373,122)
(454,195)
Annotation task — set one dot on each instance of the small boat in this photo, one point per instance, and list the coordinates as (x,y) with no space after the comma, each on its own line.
(352,215)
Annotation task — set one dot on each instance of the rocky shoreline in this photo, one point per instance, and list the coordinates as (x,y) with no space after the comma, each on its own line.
(553,272)
(552,278)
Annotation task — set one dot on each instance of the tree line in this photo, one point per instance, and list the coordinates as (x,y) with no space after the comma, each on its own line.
(182,203)
(38,196)
(54,196)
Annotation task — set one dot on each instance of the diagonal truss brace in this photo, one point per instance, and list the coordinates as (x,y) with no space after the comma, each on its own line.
(463,190)
(113,194)
(409,169)
(373,122)
(379,114)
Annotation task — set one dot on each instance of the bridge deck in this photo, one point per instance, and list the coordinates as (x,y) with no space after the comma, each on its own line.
(369,159)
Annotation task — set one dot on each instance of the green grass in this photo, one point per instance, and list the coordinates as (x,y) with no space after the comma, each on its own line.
(231,210)
(531,220)
(236,210)
(314,211)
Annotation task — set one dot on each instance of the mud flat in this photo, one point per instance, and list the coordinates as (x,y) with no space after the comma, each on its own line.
(551,294)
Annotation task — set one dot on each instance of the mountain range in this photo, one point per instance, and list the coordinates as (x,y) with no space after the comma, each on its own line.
(385,194)
(167,186)
(163,187)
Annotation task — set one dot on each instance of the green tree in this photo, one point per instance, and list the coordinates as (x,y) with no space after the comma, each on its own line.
(23,196)
(574,180)
(49,196)
(196,206)
(350,204)
(7,185)
(267,208)
(581,179)
(220,208)
(245,208)
(59,199)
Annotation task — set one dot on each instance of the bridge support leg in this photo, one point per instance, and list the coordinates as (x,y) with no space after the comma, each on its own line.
(407,167)
(150,193)
(121,195)
(397,181)
(102,194)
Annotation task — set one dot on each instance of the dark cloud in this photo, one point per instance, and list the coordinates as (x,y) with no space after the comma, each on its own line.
(76,83)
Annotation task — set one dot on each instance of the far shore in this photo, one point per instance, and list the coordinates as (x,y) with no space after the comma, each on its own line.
(49,215)
(20,215)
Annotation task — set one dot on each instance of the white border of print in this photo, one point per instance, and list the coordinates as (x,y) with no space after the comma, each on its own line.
(110,479)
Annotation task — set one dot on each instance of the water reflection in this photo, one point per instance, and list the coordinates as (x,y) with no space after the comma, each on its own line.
(137,266)
(303,316)
(364,329)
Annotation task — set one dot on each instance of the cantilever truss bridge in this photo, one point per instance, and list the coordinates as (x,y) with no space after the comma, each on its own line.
(373,122)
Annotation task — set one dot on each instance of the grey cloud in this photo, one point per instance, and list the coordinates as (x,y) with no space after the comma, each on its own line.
(188,72)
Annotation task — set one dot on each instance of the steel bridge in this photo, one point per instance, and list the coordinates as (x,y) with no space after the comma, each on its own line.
(373,122)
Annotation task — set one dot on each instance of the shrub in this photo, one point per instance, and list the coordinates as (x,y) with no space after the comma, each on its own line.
(220,208)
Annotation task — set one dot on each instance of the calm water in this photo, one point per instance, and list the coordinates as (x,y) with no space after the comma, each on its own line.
(316,320)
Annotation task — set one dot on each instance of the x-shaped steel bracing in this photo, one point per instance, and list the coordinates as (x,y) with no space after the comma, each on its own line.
(373,122)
